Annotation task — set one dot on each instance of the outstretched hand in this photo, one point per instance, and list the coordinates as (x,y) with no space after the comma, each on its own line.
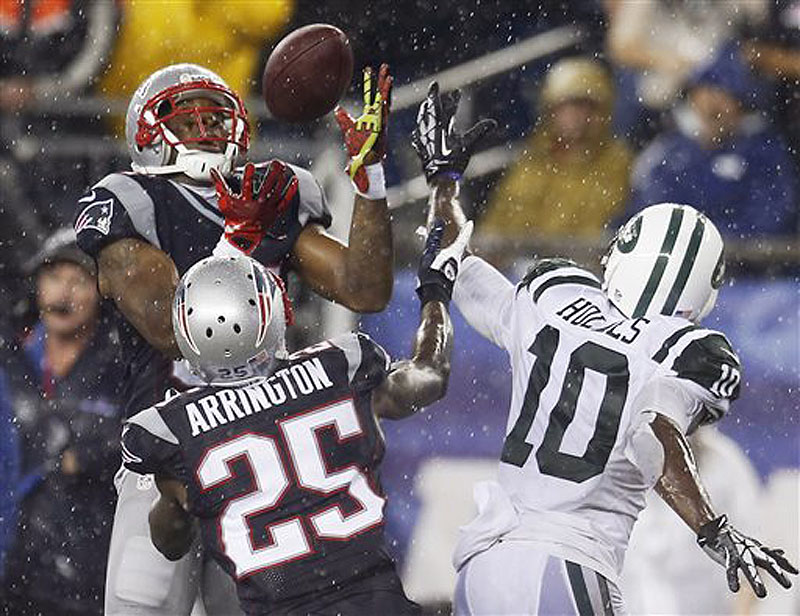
(440,147)
(365,136)
(737,552)
(250,213)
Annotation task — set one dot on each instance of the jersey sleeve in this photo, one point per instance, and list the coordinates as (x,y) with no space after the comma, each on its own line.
(148,445)
(368,363)
(117,207)
(703,378)
(313,207)
(711,363)
(485,297)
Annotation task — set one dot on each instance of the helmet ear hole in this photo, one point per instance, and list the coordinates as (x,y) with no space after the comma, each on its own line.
(209,332)
(236,328)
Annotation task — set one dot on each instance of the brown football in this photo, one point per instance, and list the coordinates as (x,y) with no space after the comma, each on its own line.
(307,73)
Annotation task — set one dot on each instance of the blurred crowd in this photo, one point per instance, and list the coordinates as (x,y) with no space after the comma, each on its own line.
(670,100)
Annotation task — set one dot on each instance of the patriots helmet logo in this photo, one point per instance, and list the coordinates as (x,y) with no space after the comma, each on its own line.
(97,215)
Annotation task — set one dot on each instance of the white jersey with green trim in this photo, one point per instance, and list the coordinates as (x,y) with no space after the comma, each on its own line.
(585,379)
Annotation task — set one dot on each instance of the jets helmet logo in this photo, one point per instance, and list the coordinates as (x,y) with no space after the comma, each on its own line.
(97,215)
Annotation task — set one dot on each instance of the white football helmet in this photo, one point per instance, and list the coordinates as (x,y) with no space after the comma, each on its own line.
(667,259)
(155,149)
(229,319)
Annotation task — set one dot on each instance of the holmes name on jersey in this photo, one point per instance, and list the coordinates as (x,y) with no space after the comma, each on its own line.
(227,405)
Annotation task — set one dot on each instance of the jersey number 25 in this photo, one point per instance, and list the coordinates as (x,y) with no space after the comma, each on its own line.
(272,480)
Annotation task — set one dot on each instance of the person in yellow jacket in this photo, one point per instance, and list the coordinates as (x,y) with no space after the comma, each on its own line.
(226,36)
(572,177)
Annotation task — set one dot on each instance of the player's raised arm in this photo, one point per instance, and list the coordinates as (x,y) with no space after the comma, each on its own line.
(357,275)
(680,487)
(422,380)
(141,280)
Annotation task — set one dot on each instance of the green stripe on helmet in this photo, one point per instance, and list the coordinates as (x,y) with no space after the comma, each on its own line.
(661,263)
(686,266)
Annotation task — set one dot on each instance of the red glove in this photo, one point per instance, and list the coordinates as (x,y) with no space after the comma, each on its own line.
(248,217)
(365,136)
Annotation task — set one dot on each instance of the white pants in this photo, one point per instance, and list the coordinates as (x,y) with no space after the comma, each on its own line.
(140,581)
(519,577)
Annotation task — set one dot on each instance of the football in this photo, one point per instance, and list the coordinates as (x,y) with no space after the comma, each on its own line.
(307,73)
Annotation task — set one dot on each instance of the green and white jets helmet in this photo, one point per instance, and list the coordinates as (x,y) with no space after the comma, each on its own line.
(668,259)
(229,318)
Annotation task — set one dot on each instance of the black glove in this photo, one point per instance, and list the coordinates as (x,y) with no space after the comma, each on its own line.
(439,146)
(438,268)
(734,551)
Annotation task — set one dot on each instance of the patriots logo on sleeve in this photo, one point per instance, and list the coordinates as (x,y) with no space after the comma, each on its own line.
(128,457)
(97,215)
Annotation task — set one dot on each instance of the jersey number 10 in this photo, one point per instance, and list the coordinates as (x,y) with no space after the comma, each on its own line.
(551,461)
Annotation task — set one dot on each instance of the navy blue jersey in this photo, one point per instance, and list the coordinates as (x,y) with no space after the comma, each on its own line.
(182,220)
(281,473)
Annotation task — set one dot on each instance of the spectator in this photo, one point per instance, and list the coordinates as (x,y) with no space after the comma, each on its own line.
(656,45)
(572,177)
(722,156)
(774,50)
(227,37)
(664,572)
(65,393)
(51,51)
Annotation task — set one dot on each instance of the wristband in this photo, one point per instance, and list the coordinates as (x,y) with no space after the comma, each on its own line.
(455,176)
(432,292)
(377,183)
(225,249)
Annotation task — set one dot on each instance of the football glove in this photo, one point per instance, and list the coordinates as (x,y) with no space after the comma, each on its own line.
(734,551)
(440,147)
(365,136)
(438,267)
(250,214)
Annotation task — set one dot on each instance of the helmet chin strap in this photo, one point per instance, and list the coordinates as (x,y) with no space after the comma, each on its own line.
(196,164)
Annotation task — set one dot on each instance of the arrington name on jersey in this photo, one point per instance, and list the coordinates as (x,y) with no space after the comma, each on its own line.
(184,221)
(280,472)
(584,378)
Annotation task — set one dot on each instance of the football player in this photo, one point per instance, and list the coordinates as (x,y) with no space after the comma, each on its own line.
(277,456)
(186,132)
(608,377)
